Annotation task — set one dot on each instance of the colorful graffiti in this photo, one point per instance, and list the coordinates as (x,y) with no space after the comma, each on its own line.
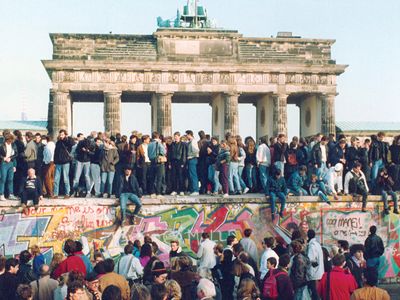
(51,225)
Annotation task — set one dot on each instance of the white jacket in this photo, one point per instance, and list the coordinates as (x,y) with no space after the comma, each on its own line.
(349,176)
(315,255)
(263,155)
(263,263)
(206,254)
(332,178)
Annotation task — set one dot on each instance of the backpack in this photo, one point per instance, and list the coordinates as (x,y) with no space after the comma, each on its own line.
(270,286)
(292,158)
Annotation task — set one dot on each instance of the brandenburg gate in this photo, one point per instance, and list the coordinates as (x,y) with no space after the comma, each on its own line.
(195,65)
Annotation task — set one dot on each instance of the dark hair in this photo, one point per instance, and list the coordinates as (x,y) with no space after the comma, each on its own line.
(75,276)
(140,292)
(189,132)
(100,268)
(338,260)
(147,239)
(11,262)
(111,292)
(73,287)
(109,265)
(25,256)
(230,239)
(69,247)
(247,232)
(155,135)
(311,234)
(296,234)
(343,244)
(357,165)
(158,292)
(237,248)
(63,131)
(78,246)
(24,291)
(269,241)
(284,260)
(303,168)
(228,255)
(146,250)
(128,249)
(355,248)
(372,229)
(272,261)
(97,254)
(205,235)
(371,276)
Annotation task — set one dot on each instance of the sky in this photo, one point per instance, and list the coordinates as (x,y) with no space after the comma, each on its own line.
(366,33)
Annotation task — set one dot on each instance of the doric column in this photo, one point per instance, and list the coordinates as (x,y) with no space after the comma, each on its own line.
(231,105)
(328,124)
(161,108)
(61,107)
(50,114)
(112,112)
(280,114)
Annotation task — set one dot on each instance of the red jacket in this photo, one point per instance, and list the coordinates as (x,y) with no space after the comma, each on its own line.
(342,284)
(71,263)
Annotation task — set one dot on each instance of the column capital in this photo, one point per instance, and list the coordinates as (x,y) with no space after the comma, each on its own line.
(112,93)
(232,94)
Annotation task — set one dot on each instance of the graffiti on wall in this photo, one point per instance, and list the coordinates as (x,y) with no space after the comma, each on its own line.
(50,226)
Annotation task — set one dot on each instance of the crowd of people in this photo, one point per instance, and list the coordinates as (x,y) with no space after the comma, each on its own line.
(302,269)
(106,166)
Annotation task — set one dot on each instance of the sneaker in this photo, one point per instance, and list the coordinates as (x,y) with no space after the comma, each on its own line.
(12,197)
(67,196)
(89,195)
(194,194)
(214,194)
(246,190)
(105,195)
(225,196)
(2,198)
(174,193)
(329,202)
(181,194)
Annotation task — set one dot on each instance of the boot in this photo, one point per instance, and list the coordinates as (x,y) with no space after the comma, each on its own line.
(386,211)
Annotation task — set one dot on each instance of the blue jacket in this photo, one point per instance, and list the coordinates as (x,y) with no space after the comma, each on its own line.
(335,155)
(296,182)
(155,149)
(276,185)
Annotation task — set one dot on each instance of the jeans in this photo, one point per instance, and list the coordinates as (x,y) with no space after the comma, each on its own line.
(224,170)
(300,192)
(234,183)
(264,177)
(106,177)
(281,196)
(144,174)
(29,194)
(85,167)
(157,175)
(124,198)
(177,176)
(321,171)
(193,179)
(312,287)
(280,165)
(7,177)
(213,176)
(95,175)
(376,166)
(373,263)
(251,175)
(64,168)
(385,201)
(240,173)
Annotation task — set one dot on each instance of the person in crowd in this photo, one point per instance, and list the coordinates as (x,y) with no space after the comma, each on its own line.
(353,152)
(177,156)
(316,268)
(159,273)
(205,254)
(291,163)
(44,287)
(192,158)
(112,292)
(8,155)
(222,272)
(48,167)
(76,291)
(344,248)
(384,187)
(20,169)
(333,182)
(140,292)
(157,156)
(173,290)
(231,240)
(96,156)
(222,165)
(299,271)
(280,148)
(394,162)
(176,250)
(297,181)
(62,160)
(327,259)
(206,289)
(364,160)
(320,156)
(72,262)
(83,155)
(31,150)
(249,245)
(25,272)
(280,247)
(109,160)
(242,256)
(338,154)
(250,164)
(185,276)
(31,190)
(268,244)
(242,158)
(129,191)
(85,259)
(374,248)
(283,285)
(317,188)
(378,155)
(213,172)
(276,188)
(233,179)
(112,278)
(248,290)
(264,161)
(144,163)
(129,266)
(38,259)
(55,262)
(356,264)
(370,291)
(201,163)
(338,284)
(146,253)
(158,292)
(302,153)
(355,183)
(24,292)
(92,284)
(9,280)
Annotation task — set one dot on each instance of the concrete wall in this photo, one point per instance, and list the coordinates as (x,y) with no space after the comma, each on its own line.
(185,219)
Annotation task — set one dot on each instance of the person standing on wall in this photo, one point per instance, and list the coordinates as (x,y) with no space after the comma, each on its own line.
(192,156)
(279,153)
(83,152)
(8,155)
(177,160)
(374,248)
(263,156)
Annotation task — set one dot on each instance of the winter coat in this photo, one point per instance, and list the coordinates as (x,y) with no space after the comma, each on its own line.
(316,154)
(298,270)
(378,150)
(316,257)
(373,246)
(81,155)
(342,284)
(296,182)
(178,152)
(3,152)
(62,152)
(133,184)
(110,159)
(352,156)
(384,184)
(279,152)
(276,185)
(336,155)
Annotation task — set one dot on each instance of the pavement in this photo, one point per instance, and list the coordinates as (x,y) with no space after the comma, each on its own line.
(393,289)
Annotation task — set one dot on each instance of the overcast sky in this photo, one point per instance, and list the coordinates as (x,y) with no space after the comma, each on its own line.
(366,32)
